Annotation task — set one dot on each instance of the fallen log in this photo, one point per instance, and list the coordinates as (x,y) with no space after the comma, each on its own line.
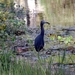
(68,29)
(63,64)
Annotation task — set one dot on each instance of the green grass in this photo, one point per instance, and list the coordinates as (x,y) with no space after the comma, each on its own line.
(22,67)
(9,65)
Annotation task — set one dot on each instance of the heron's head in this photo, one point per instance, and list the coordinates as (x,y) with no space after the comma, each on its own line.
(43,22)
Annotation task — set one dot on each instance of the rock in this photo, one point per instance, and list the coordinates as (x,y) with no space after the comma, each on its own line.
(21,49)
(17,33)
(71,49)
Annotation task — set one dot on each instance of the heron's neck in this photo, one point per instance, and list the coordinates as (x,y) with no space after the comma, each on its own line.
(42,30)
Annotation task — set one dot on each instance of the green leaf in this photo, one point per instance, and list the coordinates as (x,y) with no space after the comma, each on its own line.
(60,38)
(52,38)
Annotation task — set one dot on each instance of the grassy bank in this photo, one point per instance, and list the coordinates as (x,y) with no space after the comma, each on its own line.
(9,65)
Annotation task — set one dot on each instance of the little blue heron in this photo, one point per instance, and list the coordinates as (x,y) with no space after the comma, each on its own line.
(39,40)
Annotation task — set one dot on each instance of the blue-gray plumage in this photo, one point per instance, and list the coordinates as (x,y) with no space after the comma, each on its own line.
(39,40)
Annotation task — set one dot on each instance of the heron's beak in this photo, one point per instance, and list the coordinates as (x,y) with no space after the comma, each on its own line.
(47,22)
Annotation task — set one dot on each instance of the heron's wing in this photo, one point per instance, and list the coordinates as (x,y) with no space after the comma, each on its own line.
(39,43)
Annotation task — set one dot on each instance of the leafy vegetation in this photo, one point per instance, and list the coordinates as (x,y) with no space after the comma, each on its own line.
(8,21)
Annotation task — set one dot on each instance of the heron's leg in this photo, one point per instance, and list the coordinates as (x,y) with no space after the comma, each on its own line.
(38,56)
(39,59)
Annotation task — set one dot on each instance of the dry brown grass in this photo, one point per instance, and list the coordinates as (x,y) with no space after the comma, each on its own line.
(60,11)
